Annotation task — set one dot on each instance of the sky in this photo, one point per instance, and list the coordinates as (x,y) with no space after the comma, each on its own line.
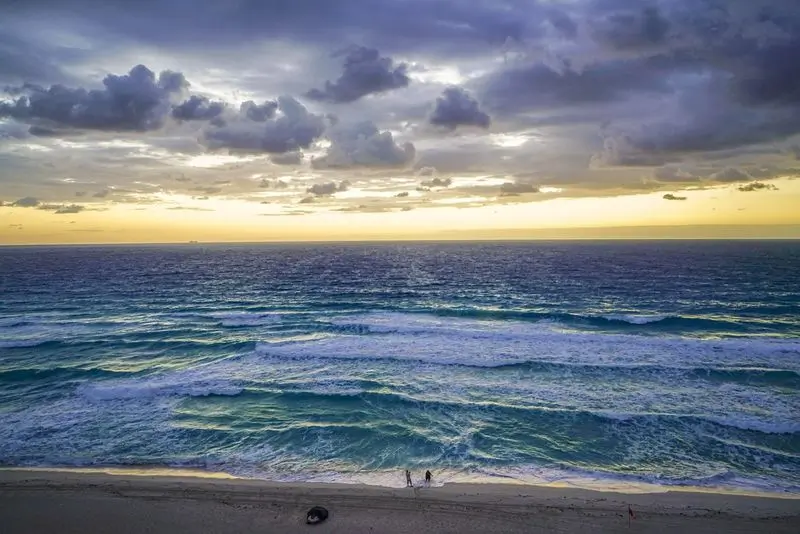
(276,120)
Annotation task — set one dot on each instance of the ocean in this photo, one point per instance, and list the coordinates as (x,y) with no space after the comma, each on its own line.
(674,363)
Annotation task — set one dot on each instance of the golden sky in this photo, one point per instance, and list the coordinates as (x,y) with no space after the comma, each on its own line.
(721,211)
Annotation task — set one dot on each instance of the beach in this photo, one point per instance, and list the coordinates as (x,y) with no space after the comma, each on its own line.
(70,502)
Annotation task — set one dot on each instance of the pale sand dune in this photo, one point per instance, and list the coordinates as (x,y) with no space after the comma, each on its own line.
(71,502)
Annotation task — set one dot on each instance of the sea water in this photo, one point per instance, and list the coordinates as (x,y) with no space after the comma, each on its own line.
(674,363)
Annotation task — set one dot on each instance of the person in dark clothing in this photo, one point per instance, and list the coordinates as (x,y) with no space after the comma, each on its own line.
(409,484)
(428,477)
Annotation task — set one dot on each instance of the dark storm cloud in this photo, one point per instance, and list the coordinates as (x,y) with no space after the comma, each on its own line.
(363,145)
(23,61)
(443,27)
(738,80)
(664,83)
(197,108)
(293,129)
(365,72)
(670,196)
(456,107)
(43,131)
(136,101)
(259,112)
(619,150)
(631,29)
(538,86)
(563,23)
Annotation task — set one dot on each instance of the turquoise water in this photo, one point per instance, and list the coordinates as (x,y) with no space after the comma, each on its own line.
(676,363)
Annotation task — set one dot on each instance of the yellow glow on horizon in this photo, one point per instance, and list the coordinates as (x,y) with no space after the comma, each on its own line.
(181,218)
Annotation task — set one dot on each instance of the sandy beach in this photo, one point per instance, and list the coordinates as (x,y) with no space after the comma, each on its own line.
(72,502)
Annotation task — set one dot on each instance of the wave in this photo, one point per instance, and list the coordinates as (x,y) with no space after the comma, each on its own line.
(337,395)
(639,322)
(639,319)
(240,318)
(199,382)
(66,373)
(22,343)
(431,339)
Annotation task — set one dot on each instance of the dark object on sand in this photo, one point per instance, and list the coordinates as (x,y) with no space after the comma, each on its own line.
(318,514)
(428,477)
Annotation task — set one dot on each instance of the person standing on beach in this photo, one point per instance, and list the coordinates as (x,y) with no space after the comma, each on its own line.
(409,484)
(428,477)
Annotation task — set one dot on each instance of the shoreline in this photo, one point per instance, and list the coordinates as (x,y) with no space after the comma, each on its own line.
(615,486)
(70,501)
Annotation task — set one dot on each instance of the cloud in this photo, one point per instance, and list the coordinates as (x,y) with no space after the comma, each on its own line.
(437,182)
(363,145)
(289,158)
(509,188)
(365,72)
(456,107)
(137,101)
(102,194)
(198,108)
(673,174)
(48,207)
(563,23)
(328,188)
(26,202)
(69,209)
(276,184)
(730,174)
(543,86)
(670,196)
(619,150)
(208,190)
(259,112)
(631,29)
(756,186)
(292,129)
(687,88)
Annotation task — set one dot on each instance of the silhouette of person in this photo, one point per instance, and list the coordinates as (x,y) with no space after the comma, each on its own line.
(428,477)
(409,484)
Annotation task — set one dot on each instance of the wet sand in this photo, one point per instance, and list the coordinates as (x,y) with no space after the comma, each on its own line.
(75,502)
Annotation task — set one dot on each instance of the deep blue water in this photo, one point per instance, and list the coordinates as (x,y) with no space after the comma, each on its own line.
(670,362)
